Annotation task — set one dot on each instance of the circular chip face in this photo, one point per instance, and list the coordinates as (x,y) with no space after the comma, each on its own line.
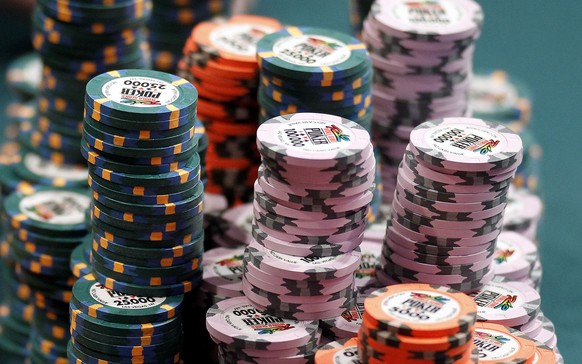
(445,20)
(515,255)
(499,344)
(311,53)
(96,300)
(465,144)
(235,321)
(312,139)
(508,304)
(141,95)
(420,310)
(223,271)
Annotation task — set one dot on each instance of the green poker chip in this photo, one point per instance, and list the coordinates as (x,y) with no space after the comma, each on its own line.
(23,75)
(125,340)
(49,211)
(143,97)
(97,301)
(79,264)
(314,54)
(37,170)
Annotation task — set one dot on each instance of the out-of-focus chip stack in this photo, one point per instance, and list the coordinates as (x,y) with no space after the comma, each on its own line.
(44,226)
(500,97)
(358,11)
(306,69)
(220,60)
(170,25)
(422,55)
(76,41)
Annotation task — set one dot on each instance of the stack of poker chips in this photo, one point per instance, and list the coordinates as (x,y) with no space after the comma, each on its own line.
(500,344)
(518,306)
(515,259)
(418,321)
(232,228)
(111,326)
(306,69)
(449,203)
(45,225)
(523,213)
(220,60)
(311,200)
(343,351)
(500,97)
(246,334)
(78,40)
(171,23)
(144,173)
(358,11)
(422,56)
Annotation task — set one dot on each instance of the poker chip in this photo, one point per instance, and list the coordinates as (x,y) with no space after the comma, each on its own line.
(348,324)
(515,256)
(108,325)
(226,50)
(547,334)
(422,70)
(223,268)
(76,42)
(171,23)
(44,227)
(365,275)
(335,65)
(509,304)
(449,203)
(499,344)
(417,321)
(23,76)
(144,173)
(523,213)
(342,351)
(244,332)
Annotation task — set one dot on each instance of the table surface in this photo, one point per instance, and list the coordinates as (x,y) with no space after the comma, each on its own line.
(536,41)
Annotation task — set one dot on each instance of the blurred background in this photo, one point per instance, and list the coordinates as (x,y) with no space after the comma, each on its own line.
(535,41)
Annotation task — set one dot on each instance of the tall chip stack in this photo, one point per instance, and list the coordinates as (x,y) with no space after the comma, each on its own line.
(170,25)
(449,203)
(44,226)
(307,69)
(311,200)
(220,60)
(410,322)
(422,56)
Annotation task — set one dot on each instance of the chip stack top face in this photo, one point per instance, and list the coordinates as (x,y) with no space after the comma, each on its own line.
(498,344)
(431,321)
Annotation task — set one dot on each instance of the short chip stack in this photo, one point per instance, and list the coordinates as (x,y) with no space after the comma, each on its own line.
(110,326)
(417,322)
(422,55)
(449,202)
(45,226)
(499,344)
(523,213)
(171,22)
(220,60)
(144,170)
(311,200)
(306,69)
(78,40)
(244,333)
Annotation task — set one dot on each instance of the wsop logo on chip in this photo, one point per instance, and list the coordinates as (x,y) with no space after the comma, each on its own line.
(329,134)
(140,91)
(427,12)
(239,38)
(56,207)
(355,314)
(461,139)
(311,50)
(260,322)
(233,264)
(367,266)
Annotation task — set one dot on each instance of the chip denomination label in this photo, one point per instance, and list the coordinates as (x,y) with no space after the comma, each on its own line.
(239,39)
(312,50)
(111,298)
(420,306)
(315,136)
(495,345)
(140,91)
(464,140)
(55,207)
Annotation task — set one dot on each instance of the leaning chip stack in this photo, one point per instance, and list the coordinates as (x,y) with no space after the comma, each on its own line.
(306,69)
(78,40)
(220,60)
(171,23)
(498,344)
(311,200)
(422,56)
(449,203)
(246,334)
(44,226)
(144,173)
(410,323)
(110,326)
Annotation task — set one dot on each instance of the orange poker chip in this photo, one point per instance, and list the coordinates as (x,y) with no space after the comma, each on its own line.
(337,351)
(498,344)
(234,41)
(420,310)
